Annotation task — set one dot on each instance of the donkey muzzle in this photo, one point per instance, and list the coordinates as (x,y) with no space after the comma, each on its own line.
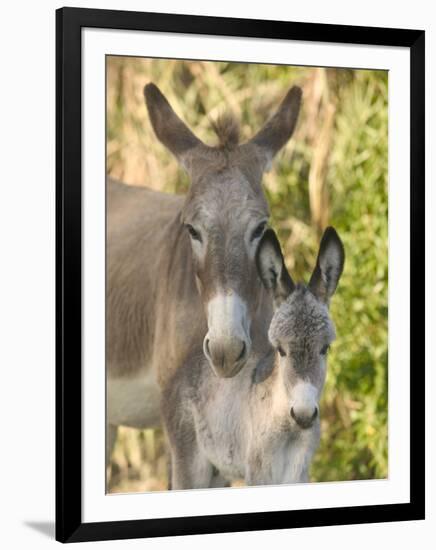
(304,419)
(226,358)
(227,344)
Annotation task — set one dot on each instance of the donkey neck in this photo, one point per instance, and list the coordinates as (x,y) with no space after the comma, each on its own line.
(268,385)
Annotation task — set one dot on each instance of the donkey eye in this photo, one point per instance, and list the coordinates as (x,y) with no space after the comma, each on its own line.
(194,233)
(281,351)
(258,231)
(325,350)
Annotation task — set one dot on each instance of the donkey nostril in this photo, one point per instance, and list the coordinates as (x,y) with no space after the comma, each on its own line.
(293,414)
(243,351)
(206,346)
(315,414)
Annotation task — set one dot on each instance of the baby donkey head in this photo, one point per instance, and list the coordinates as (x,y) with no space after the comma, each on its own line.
(301,329)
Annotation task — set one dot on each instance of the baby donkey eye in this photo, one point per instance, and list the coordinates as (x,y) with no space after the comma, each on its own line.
(281,351)
(325,349)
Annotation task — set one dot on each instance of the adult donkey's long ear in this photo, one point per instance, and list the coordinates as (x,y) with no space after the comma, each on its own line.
(280,127)
(169,128)
(272,269)
(329,266)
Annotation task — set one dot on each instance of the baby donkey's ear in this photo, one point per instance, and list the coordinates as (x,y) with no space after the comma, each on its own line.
(329,266)
(271,267)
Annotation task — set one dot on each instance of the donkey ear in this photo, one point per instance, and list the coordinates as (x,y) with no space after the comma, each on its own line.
(329,266)
(168,127)
(271,267)
(280,127)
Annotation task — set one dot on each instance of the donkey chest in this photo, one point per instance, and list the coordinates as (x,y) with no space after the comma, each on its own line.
(223,437)
(243,436)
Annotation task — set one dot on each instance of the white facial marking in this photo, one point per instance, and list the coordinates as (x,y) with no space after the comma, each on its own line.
(227,317)
(304,398)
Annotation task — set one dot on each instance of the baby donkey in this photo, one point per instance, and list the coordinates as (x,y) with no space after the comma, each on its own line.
(262,425)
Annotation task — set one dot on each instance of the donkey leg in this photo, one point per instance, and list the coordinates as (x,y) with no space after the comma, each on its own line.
(300,457)
(169,470)
(190,470)
(257,472)
(218,480)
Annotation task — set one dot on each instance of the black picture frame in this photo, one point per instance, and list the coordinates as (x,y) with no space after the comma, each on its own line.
(69,22)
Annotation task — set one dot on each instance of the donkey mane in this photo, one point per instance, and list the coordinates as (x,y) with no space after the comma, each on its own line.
(227,129)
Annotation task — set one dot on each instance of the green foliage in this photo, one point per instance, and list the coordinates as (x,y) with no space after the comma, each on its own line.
(355,441)
(333,172)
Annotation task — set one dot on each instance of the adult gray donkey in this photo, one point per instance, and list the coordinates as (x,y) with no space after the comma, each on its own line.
(181,271)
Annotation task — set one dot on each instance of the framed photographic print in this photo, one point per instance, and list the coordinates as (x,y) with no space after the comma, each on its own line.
(240,265)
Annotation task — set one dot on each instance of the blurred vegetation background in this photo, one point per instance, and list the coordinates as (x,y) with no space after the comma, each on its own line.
(333,172)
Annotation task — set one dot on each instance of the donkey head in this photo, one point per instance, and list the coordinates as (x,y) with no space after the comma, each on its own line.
(301,329)
(225,215)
